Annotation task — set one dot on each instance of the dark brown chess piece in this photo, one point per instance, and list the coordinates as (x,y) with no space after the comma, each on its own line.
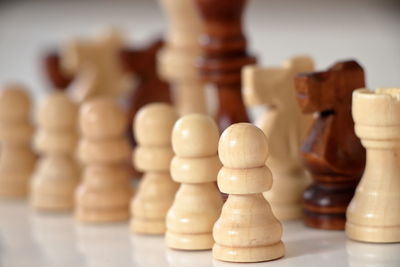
(224,47)
(332,152)
(57,78)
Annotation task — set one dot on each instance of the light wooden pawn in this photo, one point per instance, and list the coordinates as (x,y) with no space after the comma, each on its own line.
(17,160)
(57,173)
(177,58)
(285,126)
(247,230)
(374,212)
(152,129)
(105,192)
(197,203)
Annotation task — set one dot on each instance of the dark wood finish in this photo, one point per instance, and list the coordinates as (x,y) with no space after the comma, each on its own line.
(224,47)
(332,152)
(57,78)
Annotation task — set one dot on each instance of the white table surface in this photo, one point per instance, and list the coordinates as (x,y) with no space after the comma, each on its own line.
(32,239)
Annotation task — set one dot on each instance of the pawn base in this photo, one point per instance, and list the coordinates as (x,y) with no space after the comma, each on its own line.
(93,215)
(147,226)
(52,203)
(249,254)
(287,212)
(373,234)
(189,241)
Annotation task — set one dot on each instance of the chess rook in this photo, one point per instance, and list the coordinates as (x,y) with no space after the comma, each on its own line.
(247,230)
(331,151)
(104,150)
(152,130)
(374,213)
(17,160)
(57,173)
(285,126)
(197,203)
(224,55)
(176,59)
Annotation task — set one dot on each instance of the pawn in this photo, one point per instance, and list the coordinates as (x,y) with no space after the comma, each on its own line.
(57,174)
(17,160)
(374,212)
(104,194)
(198,202)
(152,130)
(247,230)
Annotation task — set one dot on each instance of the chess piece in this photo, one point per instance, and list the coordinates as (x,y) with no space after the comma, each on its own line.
(17,160)
(96,66)
(331,152)
(247,230)
(374,212)
(285,126)
(57,78)
(224,47)
(197,203)
(177,58)
(57,173)
(152,129)
(105,192)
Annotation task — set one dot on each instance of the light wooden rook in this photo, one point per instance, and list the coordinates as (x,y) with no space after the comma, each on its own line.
(176,60)
(152,129)
(17,160)
(374,212)
(57,173)
(198,202)
(285,126)
(247,230)
(104,194)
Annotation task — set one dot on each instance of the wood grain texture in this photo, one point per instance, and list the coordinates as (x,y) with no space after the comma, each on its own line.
(224,55)
(57,173)
(331,152)
(152,130)
(374,212)
(197,203)
(285,126)
(17,159)
(176,59)
(247,230)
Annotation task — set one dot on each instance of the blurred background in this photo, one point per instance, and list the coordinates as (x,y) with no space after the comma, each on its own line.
(366,30)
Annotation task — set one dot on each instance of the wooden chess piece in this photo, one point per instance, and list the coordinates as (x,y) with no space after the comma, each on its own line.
(374,212)
(177,58)
(197,203)
(152,129)
(57,173)
(105,192)
(331,152)
(17,160)
(96,66)
(224,47)
(58,79)
(247,230)
(285,126)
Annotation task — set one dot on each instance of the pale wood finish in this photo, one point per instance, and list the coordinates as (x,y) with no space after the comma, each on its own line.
(247,230)
(176,60)
(96,64)
(152,130)
(104,194)
(57,173)
(198,202)
(16,158)
(285,126)
(374,212)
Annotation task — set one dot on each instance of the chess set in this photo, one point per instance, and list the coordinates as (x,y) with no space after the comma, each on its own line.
(128,134)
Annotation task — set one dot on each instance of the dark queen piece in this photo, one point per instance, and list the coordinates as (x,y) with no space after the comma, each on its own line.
(331,152)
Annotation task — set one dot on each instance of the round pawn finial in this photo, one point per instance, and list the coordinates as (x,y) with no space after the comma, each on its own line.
(242,146)
(153,124)
(102,117)
(57,112)
(14,103)
(195,135)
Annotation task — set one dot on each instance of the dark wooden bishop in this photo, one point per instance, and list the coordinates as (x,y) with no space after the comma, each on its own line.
(224,46)
(332,152)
